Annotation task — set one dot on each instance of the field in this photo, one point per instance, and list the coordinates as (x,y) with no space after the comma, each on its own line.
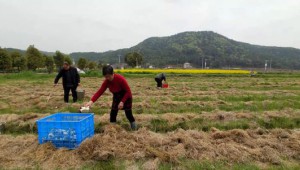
(203,121)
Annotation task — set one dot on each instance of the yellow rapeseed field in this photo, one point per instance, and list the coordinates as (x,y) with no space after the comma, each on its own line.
(182,71)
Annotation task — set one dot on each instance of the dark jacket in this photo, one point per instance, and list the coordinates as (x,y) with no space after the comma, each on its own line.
(161,76)
(74,78)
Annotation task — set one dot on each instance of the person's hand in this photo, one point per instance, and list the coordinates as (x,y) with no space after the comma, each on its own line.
(121,105)
(78,84)
(55,84)
(89,104)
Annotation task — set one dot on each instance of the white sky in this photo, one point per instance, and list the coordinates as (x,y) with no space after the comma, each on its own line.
(101,25)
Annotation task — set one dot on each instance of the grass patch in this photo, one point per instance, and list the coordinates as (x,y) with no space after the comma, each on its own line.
(17,129)
(257,106)
(244,98)
(206,125)
(194,98)
(280,122)
(104,165)
(193,108)
(99,127)
(244,167)
(26,75)
(161,125)
(207,165)
(238,124)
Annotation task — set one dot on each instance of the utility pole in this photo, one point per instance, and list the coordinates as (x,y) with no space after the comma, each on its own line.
(202,63)
(119,60)
(136,62)
(266,65)
(205,63)
(270,64)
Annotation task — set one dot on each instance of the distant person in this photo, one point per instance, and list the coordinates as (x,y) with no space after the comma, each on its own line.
(70,81)
(252,73)
(159,78)
(122,97)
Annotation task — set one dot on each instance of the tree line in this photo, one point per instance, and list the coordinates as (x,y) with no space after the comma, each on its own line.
(33,60)
(132,59)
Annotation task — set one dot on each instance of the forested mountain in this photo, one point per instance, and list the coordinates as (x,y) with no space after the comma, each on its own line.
(219,51)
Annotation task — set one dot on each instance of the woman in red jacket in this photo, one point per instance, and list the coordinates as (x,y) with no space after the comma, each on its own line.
(122,97)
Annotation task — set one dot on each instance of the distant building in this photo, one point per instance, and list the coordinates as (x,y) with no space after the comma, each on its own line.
(120,66)
(149,65)
(172,66)
(187,65)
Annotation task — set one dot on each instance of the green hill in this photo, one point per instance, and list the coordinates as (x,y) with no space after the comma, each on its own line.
(218,50)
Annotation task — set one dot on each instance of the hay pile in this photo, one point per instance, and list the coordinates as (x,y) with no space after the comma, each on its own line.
(234,146)
(29,118)
(24,152)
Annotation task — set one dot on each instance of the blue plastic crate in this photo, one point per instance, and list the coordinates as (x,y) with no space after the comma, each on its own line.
(66,129)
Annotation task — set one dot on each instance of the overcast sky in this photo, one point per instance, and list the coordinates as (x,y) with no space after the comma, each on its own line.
(101,25)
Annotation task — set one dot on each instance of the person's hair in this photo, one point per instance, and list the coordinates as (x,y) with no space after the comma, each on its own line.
(108,69)
(66,63)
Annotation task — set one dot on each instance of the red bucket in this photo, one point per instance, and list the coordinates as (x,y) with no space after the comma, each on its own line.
(165,85)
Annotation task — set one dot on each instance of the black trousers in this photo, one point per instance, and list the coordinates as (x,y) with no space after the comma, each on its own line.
(67,90)
(159,82)
(114,113)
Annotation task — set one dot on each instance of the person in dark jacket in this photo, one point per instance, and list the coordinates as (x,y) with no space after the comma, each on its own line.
(159,78)
(70,81)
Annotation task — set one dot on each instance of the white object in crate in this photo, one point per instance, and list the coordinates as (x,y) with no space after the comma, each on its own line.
(62,134)
(84,109)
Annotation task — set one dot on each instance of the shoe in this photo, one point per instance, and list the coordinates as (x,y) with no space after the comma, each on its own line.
(133,126)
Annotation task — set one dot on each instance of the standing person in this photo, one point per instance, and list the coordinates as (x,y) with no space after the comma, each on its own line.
(159,78)
(122,97)
(70,81)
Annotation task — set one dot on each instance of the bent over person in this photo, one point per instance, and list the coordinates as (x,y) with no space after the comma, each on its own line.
(122,97)
(70,81)
(159,78)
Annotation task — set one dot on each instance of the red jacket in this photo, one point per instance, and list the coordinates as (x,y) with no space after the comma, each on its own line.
(118,84)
